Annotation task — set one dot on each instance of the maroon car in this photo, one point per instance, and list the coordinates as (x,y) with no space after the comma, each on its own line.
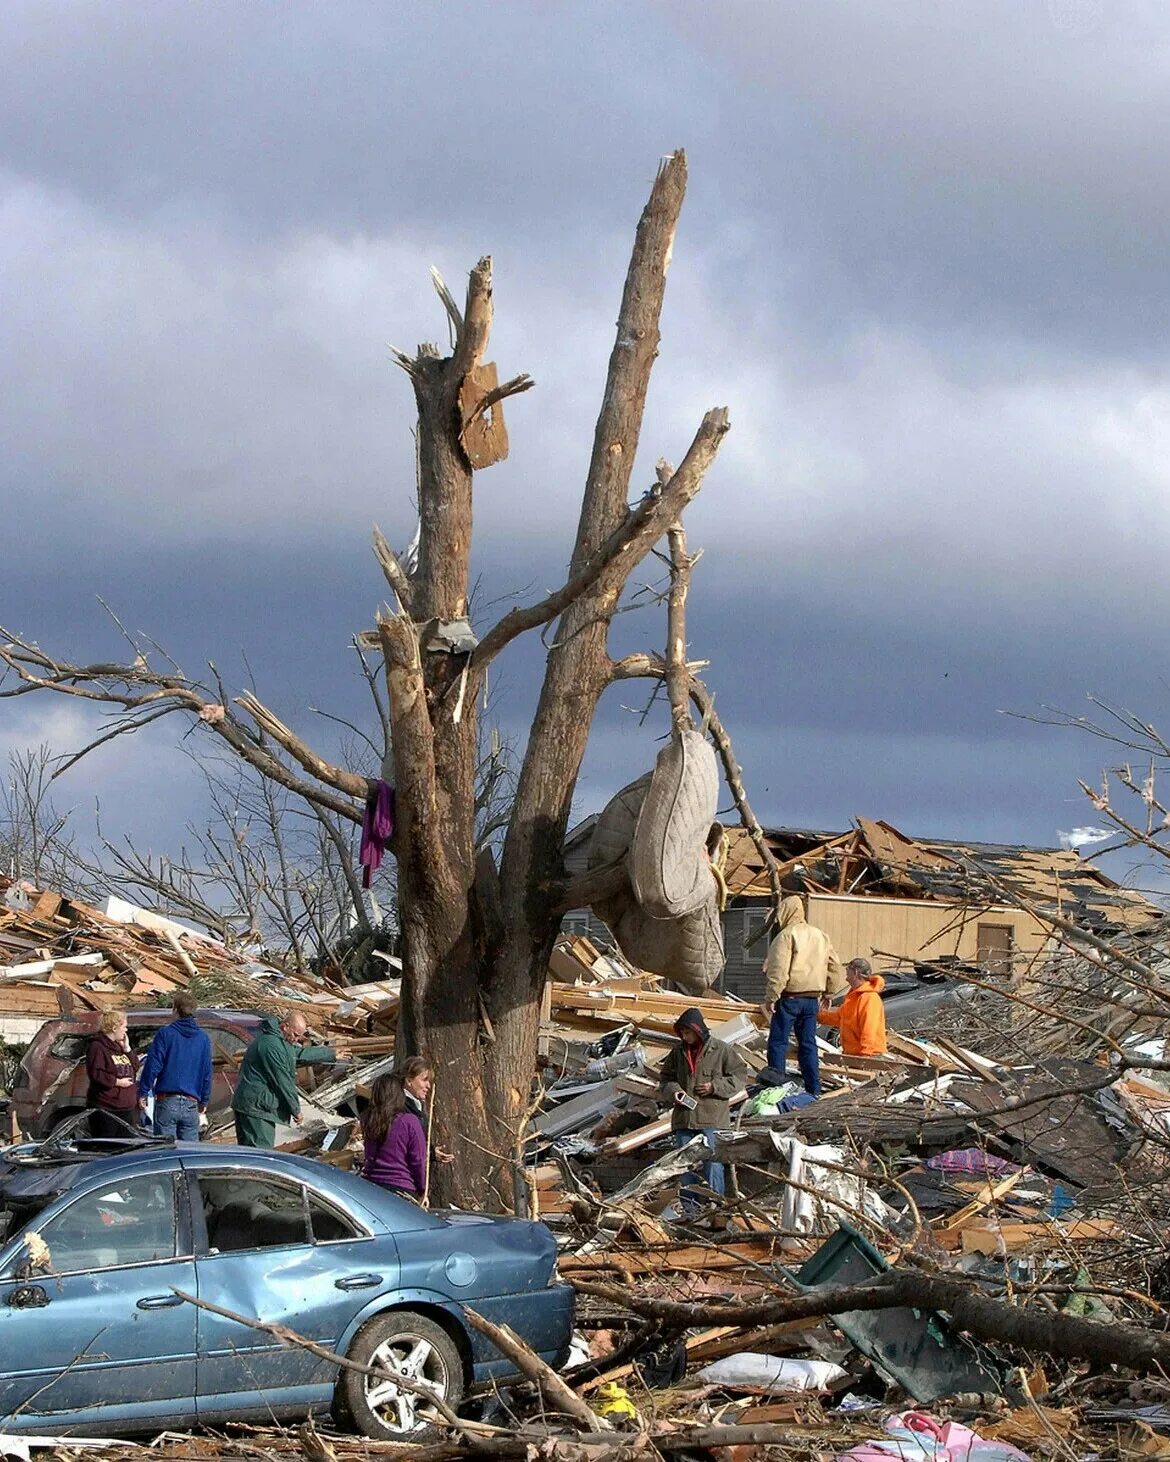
(51,1083)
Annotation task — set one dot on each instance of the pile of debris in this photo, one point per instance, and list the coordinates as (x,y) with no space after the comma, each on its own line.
(949,1254)
(58,954)
(941,1229)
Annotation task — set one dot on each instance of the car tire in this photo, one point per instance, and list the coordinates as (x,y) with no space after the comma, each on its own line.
(417,1347)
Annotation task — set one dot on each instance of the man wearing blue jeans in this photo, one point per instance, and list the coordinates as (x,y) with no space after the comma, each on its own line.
(699,1077)
(177,1072)
(801,970)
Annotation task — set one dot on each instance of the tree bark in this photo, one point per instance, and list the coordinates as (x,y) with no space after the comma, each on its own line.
(1066,1337)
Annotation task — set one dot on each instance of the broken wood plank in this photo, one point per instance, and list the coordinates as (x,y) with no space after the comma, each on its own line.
(1012,1236)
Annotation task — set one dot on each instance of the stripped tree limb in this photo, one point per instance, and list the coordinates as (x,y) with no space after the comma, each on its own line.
(529,1364)
(676,628)
(625,547)
(135,687)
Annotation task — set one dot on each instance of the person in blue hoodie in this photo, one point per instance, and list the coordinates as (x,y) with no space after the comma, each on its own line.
(177,1072)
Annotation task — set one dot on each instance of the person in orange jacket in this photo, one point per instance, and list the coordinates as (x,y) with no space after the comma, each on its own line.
(860,1016)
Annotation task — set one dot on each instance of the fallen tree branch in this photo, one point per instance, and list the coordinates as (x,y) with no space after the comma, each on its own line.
(1065,1337)
(529,1364)
(290,1338)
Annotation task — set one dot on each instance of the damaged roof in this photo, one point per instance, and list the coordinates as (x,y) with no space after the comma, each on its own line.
(873,858)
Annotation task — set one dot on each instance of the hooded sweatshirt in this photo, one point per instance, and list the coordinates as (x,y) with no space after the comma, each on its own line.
(687,1067)
(179,1060)
(861,1019)
(106,1064)
(801,961)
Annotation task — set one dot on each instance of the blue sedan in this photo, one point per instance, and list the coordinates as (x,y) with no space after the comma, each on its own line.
(94,1338)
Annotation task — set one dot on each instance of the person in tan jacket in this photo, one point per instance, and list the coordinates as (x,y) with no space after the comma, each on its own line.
(801,969)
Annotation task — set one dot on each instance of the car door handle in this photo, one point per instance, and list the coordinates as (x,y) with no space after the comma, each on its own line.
(159,1301)
(358,1281)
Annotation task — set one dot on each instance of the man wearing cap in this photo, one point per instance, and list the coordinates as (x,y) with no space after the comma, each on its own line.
(801,969)
(861,1017)
(699,1077)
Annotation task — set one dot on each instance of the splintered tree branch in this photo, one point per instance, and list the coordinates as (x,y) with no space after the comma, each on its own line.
(396,575)
(625,547)
(472,339)
(315,765)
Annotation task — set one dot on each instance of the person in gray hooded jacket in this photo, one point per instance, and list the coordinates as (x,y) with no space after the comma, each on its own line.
(699,1077)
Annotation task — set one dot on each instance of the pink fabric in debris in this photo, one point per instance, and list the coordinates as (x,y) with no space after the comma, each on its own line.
(971,1160)
(916,1436)
(377,829)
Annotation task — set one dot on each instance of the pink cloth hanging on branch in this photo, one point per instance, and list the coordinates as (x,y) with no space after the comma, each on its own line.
(377,829)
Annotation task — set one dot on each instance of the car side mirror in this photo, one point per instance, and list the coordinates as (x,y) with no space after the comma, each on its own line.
(28,1297)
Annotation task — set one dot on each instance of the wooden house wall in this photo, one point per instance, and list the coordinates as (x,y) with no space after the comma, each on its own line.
(907,929)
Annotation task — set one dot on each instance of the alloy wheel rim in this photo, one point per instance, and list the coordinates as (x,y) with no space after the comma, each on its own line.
(418,1360)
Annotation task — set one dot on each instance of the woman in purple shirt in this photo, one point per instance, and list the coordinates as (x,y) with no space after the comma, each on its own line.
(395,1141)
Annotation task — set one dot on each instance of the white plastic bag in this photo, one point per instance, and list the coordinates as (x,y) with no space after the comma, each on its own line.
(776,1373)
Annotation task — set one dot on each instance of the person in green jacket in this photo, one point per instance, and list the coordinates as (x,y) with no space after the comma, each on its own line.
(266,1092)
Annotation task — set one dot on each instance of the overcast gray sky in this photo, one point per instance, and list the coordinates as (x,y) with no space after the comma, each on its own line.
(922,261)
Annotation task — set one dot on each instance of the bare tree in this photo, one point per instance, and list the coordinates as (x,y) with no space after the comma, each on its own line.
(261,867)
(477,931)
(36,843)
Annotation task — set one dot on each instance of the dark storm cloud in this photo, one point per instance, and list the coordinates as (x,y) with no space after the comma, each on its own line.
(972,168)
(358,116)
(920,260)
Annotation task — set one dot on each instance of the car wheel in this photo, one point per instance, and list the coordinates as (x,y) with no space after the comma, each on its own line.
(415,1347)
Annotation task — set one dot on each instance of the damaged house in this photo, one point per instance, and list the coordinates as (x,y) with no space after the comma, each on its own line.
(902,902)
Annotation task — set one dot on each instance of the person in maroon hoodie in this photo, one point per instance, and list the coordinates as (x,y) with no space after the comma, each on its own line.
(112,1068)
(395,1140)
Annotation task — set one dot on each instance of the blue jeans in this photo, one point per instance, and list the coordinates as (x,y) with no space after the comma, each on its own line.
(712,1171)
(178,1117)
(796,1013)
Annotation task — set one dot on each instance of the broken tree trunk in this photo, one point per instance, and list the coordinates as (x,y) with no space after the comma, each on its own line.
(1066,1337)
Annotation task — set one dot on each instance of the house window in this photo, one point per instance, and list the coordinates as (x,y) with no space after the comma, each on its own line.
(753,922)
(994,944)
